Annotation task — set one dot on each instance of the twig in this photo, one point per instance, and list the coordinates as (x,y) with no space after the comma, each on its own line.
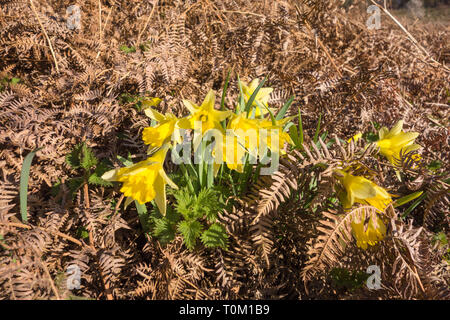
(59,234)
(102,31)
(100,19)
(52,283)
(46,35)
(146,22)
(410,36)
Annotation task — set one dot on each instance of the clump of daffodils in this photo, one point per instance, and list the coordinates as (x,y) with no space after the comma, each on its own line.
(146,180)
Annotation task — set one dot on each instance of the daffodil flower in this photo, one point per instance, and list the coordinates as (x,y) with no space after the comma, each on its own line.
(241,137)
(355,138)
(376,231)
(283,136)
(162,133)
(209,117)
(362,190)
(262,96)
(144,181)
(395,141)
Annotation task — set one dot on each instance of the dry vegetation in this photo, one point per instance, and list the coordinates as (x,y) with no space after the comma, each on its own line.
(83,88)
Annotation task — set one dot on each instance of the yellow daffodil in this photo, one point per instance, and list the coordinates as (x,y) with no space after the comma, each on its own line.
(209,117)
(395,141)
(151,102)
(162,133)
(241,137)
(262,96)
(355,138)
(283,136)
(145,180)
(376,231)
(362,190)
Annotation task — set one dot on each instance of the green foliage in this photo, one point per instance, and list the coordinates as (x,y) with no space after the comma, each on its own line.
(82,233)
(6,80)
(191,230)
(127,49)
(164,228)
(82,159)
(348,280)
(434,166)
(190,215)
(215,236)
(23,189)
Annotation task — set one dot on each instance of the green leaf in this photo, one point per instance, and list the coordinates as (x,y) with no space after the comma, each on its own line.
(73,158)
(370,136)
(74,184)
(88,160)
(143,215)
(406,199)
(185,204)
(414,205)
(97,180)
(316,135)
(82,233)
(253,96)
(190,230)
(100,169)
(300,127)
(434,165)
(125,162)
(215,236)
(24,177)
(208,204)
(241,102)
(283,110)
(164,230)
(15,80)
(127,49)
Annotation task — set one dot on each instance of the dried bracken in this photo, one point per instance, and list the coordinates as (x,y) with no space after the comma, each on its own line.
(62,86)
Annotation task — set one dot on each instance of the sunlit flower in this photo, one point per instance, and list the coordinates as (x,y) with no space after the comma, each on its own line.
(144,181)
(209,117)
(162,133)
(355,138)
(362,190)
(151,102)
(376,231)
(283,136)
(262,96)
(394,142)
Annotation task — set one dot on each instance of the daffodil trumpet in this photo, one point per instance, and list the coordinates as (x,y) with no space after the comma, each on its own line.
(144,181)
(361,190)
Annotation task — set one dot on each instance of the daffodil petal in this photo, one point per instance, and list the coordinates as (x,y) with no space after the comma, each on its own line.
(396,129)
(362,188)
(153,114)
(208,102)
(192,107)
(110,175)
(167,180)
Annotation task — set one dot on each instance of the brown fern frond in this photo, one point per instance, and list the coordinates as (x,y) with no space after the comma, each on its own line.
(335,237)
